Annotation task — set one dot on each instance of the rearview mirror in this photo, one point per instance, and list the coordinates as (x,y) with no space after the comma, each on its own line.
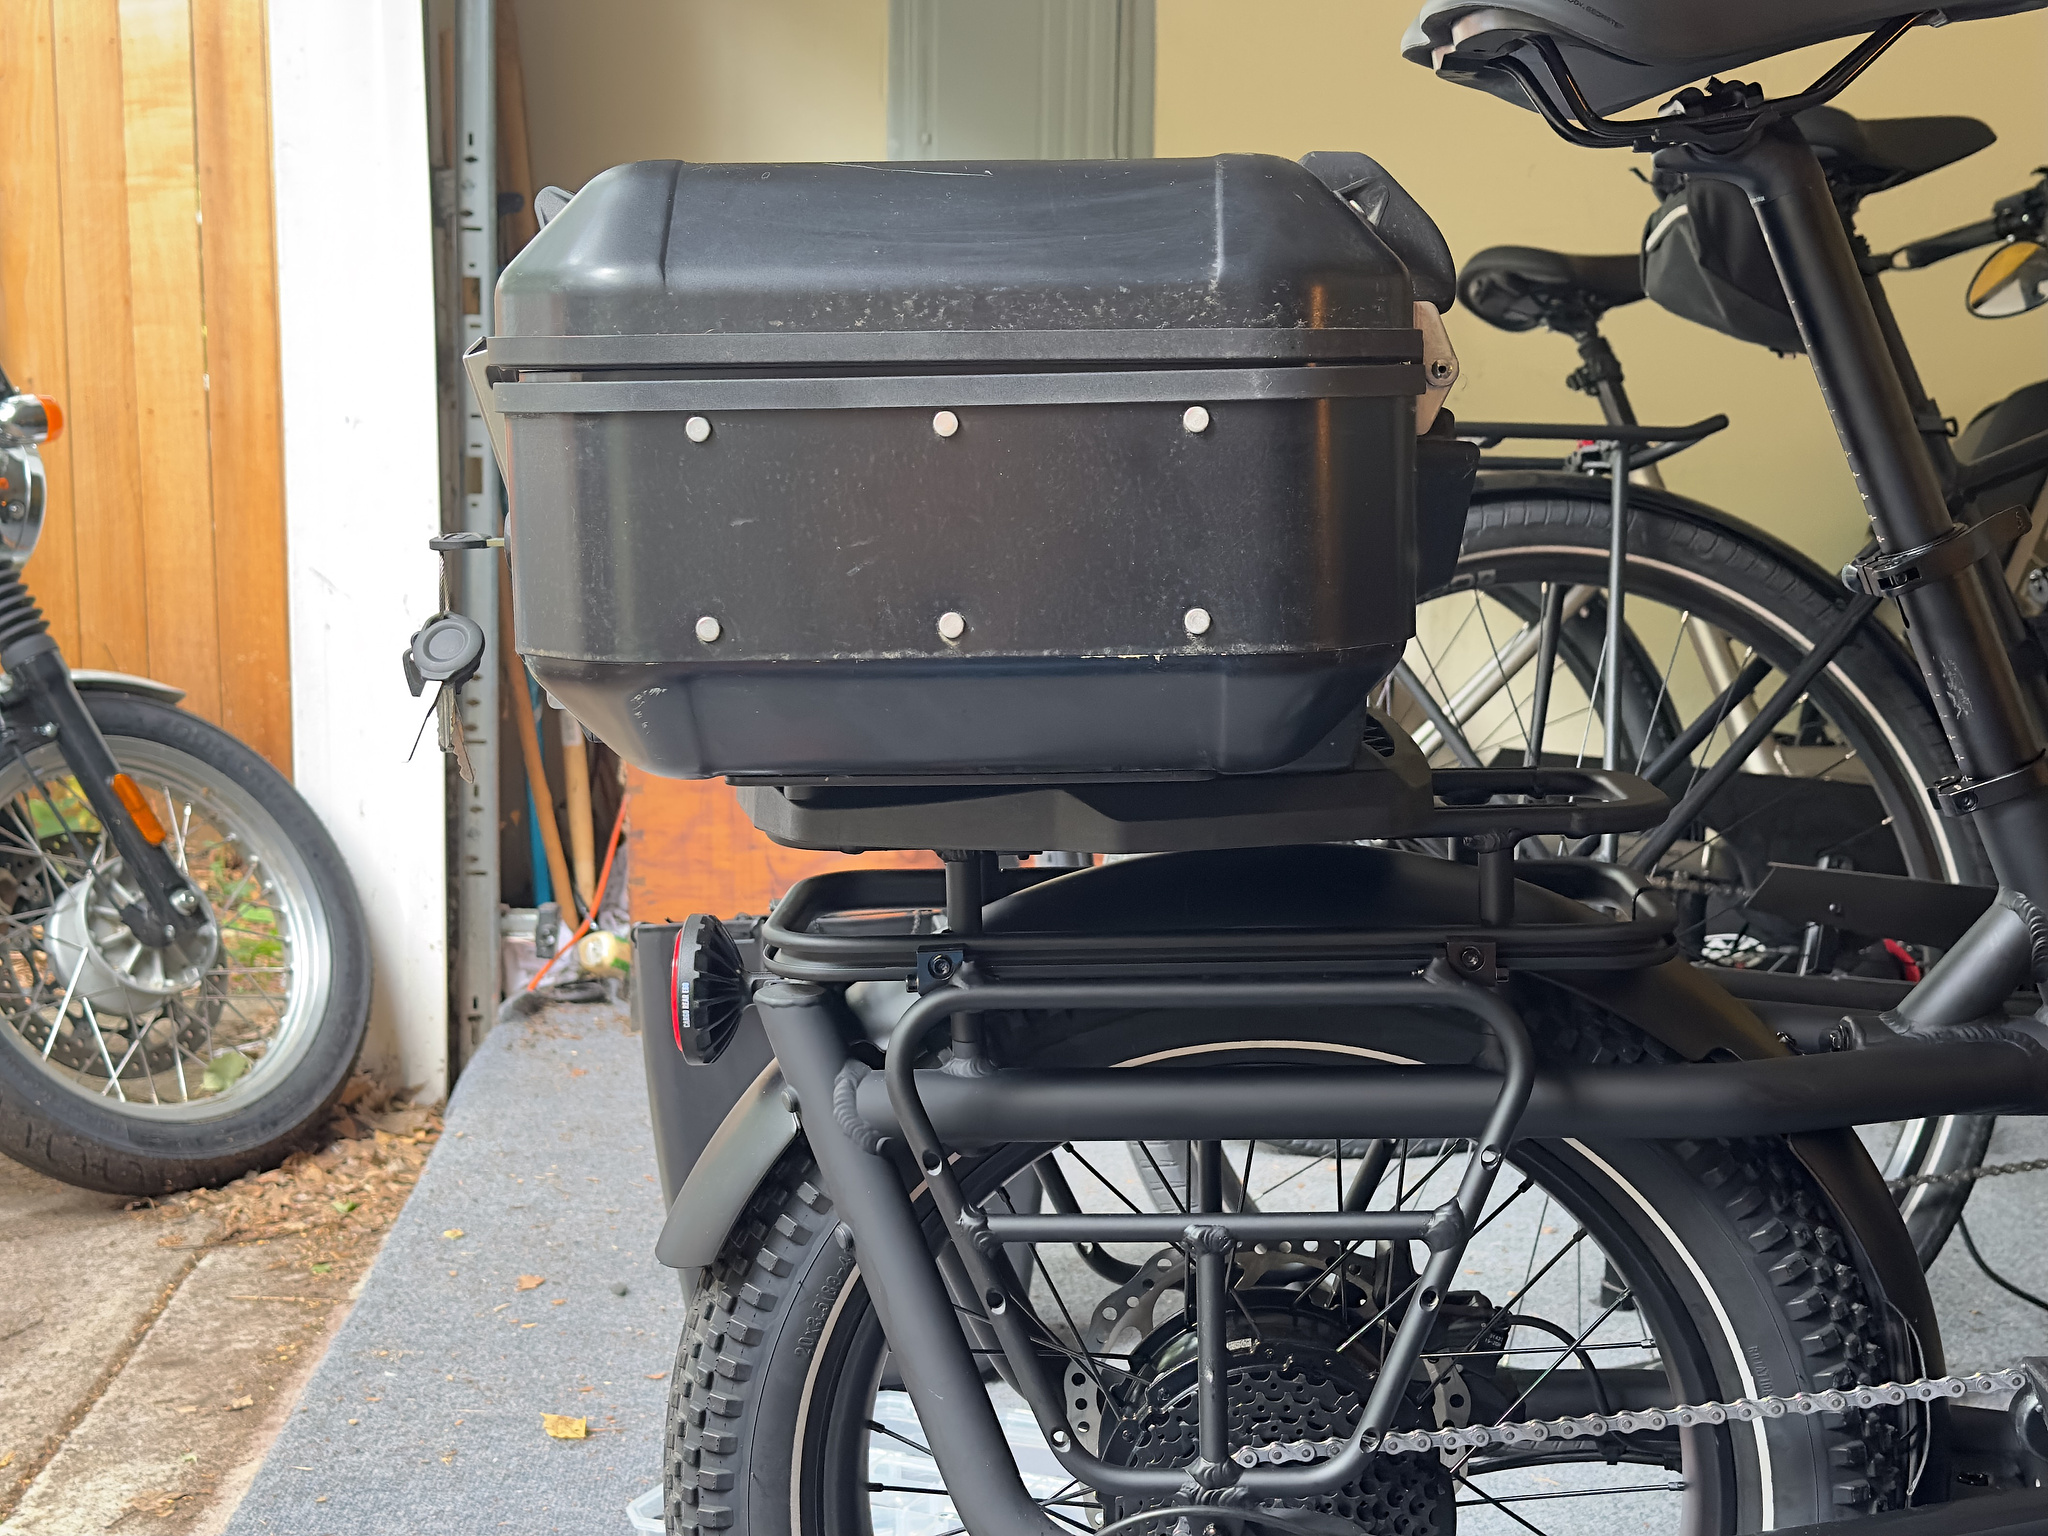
(2013,280)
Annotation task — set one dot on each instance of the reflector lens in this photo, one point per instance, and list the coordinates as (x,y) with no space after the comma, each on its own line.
(55,412)
(139,812)
(676,989)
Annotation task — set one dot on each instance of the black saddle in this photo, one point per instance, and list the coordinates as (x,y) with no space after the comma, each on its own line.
(1863,157)
(1518,287)
(1625,51)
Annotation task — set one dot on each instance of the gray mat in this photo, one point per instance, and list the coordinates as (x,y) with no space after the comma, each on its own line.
(426,1413)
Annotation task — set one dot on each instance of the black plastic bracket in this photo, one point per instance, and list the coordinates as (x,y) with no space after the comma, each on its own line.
(1960,548)
(1959,796)
(937,967)
(1474,960)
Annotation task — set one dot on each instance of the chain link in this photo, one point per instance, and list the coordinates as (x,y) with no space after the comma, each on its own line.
(1594,1425)
(1967,1175)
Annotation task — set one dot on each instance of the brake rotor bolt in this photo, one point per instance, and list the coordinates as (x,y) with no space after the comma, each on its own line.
(185,899)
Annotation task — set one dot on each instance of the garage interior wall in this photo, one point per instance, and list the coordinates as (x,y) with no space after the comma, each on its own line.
(138,287)
(1493,174)
(615,80)
(607,81)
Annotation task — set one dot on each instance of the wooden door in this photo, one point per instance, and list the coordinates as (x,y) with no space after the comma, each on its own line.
(138,286)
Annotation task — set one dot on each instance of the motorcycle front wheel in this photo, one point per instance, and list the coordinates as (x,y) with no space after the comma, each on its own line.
(140,1070)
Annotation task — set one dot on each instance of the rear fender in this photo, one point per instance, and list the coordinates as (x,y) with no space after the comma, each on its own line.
(1674,1003)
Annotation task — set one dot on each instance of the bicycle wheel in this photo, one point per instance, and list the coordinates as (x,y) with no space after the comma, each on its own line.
(1842,781)
(139,1070)
(786,1414)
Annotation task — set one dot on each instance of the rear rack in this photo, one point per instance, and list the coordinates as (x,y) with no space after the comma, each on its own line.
(879,924)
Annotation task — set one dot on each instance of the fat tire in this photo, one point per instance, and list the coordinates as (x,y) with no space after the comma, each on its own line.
(759,1342)
(55,1131)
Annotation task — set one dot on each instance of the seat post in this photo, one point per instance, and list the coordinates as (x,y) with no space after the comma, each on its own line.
(1954,626)
(1599,375)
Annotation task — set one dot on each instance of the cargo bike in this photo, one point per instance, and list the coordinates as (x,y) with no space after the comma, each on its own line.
(991,509)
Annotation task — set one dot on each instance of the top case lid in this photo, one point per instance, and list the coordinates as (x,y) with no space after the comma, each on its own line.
(667,248)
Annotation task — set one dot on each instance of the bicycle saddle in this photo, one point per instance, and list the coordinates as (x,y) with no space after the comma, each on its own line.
(1864,157)
(1625,51)
(1518,287)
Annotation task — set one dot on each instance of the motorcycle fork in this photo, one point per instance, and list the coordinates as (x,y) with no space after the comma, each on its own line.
(41,702)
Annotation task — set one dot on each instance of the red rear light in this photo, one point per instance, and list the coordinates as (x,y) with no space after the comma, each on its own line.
(676,985)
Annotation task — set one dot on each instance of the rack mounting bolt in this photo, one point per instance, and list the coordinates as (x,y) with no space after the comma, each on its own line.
(951,626)
(945,423)
(709,629)
(1195,418)
(697,429)
(1196,621)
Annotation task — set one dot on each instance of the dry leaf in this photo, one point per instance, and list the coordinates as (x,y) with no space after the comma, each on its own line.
(530,1282)
(453,1232)
(657,1375)
(558,1301)
(561,1427)
(241,1402)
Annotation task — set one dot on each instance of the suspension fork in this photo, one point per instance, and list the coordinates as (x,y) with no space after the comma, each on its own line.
(40,699)
(1957,637)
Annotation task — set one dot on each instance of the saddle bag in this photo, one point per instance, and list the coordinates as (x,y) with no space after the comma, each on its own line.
(1704,258)
(934,472)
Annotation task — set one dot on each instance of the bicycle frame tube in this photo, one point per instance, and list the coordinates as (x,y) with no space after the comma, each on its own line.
(1954,624)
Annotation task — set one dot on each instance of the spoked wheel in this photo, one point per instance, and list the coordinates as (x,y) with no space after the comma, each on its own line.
(1725,1277)
(1841,783)
(138,1069)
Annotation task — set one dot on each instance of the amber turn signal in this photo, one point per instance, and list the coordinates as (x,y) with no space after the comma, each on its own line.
(139,812)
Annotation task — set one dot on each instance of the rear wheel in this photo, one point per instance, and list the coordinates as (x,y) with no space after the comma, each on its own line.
(1842,782)
(786,1414)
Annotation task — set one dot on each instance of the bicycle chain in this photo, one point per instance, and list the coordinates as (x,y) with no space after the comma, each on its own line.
(1629,1422)
(1967,1175)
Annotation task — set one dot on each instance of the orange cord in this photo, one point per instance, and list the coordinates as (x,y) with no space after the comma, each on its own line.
(604,877)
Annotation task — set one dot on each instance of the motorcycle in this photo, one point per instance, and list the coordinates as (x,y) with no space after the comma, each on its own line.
(187,972)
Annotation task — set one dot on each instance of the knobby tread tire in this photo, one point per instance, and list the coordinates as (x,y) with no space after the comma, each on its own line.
(755,1323)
